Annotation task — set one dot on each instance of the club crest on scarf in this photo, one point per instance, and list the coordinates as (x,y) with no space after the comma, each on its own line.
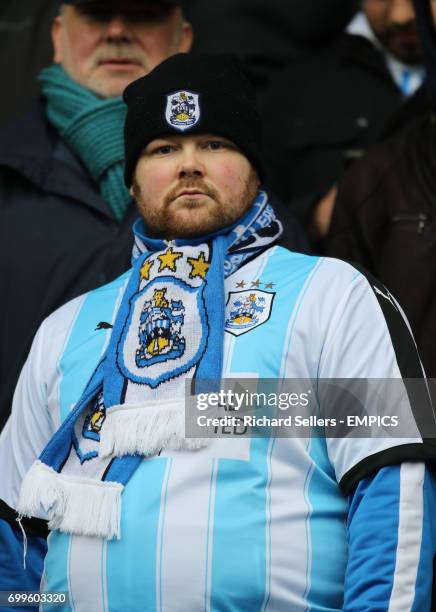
(166,331)
(94,420)
(183,110)
(86,436)
(247,310)
(160,335)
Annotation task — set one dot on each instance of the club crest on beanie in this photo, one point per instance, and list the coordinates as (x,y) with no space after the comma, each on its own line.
(183,110)
(192,94)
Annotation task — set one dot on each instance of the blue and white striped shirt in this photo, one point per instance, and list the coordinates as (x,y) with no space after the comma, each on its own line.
(250,524)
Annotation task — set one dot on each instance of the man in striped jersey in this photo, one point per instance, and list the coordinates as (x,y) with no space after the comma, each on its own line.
(142,517)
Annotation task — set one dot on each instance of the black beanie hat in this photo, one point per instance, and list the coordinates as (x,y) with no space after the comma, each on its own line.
(192,94)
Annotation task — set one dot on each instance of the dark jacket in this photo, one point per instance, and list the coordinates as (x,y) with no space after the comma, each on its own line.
(58,238)
(385,219)
(322,114)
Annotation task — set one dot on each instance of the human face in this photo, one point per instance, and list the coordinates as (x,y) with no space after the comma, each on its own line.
(106,49)
(187,186)
(394,24)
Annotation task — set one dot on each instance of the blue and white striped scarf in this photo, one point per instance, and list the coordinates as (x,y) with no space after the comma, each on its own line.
(169,328)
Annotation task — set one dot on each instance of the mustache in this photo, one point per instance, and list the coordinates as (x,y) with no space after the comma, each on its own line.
(119,51)
(191,183)
(406,28)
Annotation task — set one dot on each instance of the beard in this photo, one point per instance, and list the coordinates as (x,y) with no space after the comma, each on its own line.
(192,217)
(403,42)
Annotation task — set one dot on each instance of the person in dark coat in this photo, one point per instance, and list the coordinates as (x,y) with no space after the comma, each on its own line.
(321,114)
(62,166)
(385,216)
(384,219)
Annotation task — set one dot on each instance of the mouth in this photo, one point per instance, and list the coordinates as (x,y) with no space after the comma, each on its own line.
(119,63)
(406,34)
(406,37)
(191,193)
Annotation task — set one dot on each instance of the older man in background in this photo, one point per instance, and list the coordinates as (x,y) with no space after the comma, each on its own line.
(62,196)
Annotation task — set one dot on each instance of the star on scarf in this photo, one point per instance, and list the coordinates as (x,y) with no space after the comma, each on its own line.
(168,260)
(145,270)
(199,266)
(255,284)
(240,285)
(269,285)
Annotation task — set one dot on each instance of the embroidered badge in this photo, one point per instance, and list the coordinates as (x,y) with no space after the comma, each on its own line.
(160,330)
(86,434)
(183,110)
(156,345)
(94,421)
(246,310)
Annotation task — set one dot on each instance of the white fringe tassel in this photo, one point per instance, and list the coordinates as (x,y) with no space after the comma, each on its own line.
(79,506)
(146,430)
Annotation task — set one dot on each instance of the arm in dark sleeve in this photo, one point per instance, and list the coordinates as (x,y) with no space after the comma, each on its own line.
(370,191)
(346,237)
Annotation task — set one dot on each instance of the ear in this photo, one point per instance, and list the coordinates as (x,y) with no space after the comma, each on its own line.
(56,37)
(134,189)
(186,38)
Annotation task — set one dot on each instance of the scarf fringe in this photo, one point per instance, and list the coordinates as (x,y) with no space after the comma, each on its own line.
(146,430)
(78,506)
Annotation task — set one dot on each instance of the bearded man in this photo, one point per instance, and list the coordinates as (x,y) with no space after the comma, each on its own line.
(145,517)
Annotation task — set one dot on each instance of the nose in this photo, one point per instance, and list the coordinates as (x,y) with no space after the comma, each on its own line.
(401,12)
(118,30)
(191,164)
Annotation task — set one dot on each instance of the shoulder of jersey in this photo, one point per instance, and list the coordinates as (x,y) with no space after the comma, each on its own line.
(327,269)
(65,315)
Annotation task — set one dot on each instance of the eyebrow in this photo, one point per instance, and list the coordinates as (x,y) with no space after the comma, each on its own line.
(144,13)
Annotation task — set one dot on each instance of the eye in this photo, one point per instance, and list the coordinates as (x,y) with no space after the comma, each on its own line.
(215,145)
(94,15)
(163,150)
(145,16)
(151,14)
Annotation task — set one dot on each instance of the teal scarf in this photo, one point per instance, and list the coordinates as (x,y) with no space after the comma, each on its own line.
(93,128)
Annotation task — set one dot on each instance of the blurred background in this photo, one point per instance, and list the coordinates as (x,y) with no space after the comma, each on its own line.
(264,33)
